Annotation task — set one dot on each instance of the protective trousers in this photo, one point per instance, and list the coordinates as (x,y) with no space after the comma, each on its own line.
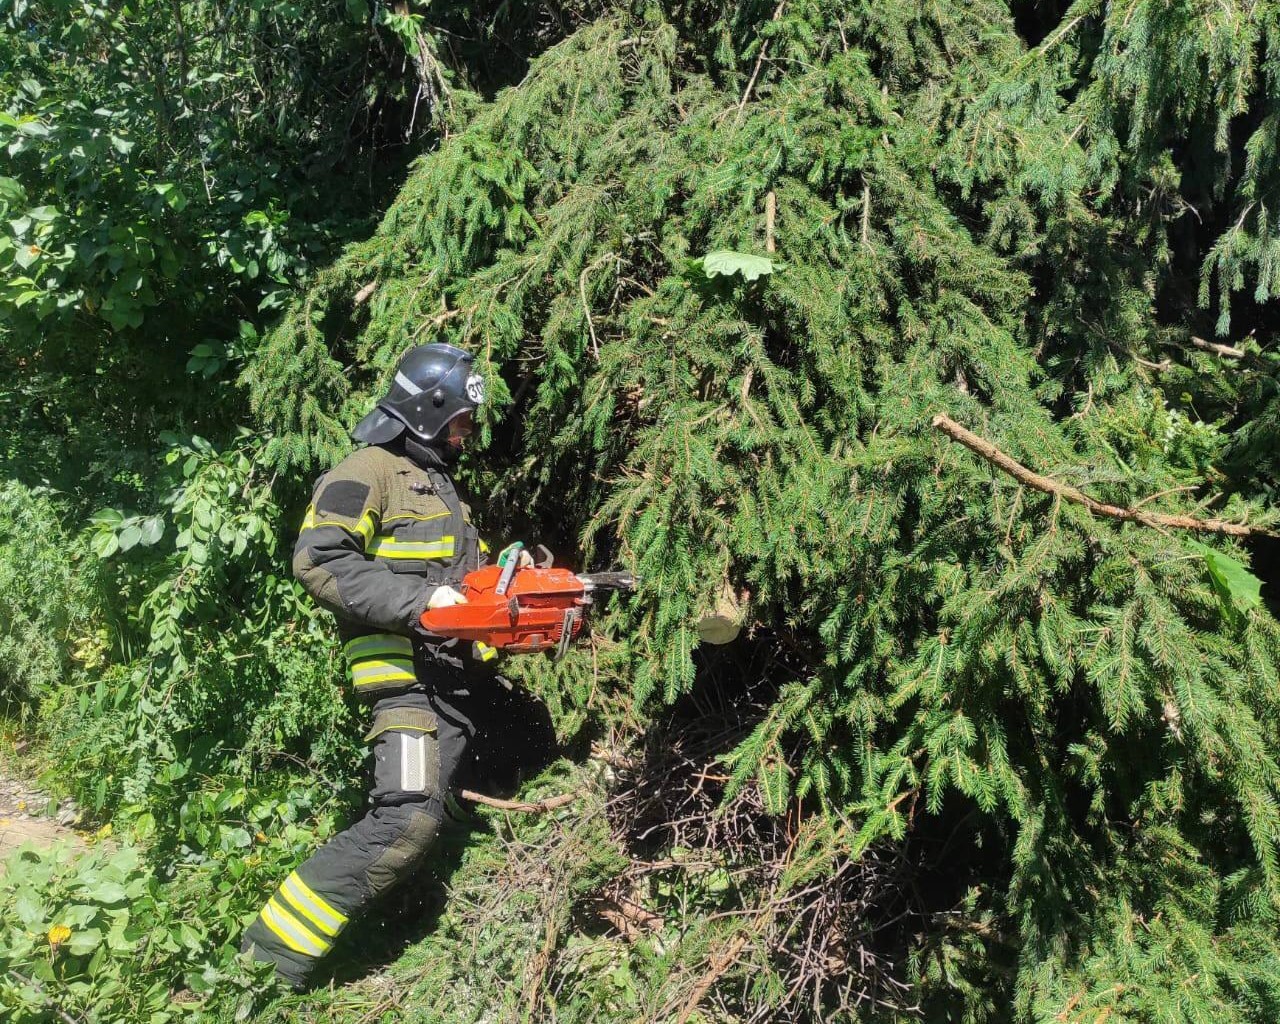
(419,744)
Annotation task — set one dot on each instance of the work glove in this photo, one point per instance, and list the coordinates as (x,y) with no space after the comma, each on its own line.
(524,560)
(444,597)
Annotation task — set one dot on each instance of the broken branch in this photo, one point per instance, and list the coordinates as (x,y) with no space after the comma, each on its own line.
(1227,352)
(536,807)
(1047,485)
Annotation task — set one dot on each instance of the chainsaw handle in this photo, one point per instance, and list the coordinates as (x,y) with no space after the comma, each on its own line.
(509,570)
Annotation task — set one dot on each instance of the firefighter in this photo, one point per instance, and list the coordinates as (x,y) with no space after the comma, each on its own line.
(386,537)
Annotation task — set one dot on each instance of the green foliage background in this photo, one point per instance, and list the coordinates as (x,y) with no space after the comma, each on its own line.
(1029,217)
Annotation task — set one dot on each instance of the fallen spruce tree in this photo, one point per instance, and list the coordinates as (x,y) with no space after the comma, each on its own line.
(888,325)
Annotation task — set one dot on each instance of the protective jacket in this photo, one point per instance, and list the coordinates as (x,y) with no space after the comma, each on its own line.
(383,531)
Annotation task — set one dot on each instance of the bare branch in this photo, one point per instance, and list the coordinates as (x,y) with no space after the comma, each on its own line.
(866,212)
(1228,352)
(1048,485)
(720,963)
(586,303)
(755,72)
(537,807)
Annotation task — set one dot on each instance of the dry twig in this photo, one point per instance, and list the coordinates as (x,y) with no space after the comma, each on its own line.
(537,807)
(755,72)
(586,303)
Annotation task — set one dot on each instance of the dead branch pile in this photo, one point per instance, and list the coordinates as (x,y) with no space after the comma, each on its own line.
(832,933)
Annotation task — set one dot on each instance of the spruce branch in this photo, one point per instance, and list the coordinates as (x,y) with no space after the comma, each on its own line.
(1047,485)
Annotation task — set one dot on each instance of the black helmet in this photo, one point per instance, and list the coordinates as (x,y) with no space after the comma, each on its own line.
(433,385)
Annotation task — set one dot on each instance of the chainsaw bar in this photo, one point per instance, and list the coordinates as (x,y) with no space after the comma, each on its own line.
(608,580)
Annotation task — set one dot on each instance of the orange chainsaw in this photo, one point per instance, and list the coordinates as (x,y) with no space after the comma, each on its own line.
(522,611)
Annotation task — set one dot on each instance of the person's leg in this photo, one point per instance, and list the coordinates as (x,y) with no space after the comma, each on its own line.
(299,924)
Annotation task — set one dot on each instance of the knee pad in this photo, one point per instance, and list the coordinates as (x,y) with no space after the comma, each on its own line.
(405,833)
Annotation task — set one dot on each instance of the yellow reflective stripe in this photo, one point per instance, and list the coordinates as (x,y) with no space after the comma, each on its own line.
(291,931)
(284,917)
(299,903)
(334,917)
(378,644)
(486,652)
(389,547)
(418,519)
(294,944)
(365,527)
(380,671)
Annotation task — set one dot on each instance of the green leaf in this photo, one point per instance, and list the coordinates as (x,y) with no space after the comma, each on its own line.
(725,262)
(84,942)
(105,544)
(107,517)
(152,530)
(11,191)
(107,892)
(238,838)
(129,537)
(189,936)
(1236,586)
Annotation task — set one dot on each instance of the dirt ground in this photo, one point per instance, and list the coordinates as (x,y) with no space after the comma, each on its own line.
(27,817)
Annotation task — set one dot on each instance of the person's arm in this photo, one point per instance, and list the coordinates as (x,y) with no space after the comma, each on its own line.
(329,558)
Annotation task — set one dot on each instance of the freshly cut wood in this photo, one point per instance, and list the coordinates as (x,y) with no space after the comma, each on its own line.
(723,623)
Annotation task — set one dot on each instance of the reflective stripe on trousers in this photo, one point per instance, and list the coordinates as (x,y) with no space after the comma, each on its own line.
(301,919)
(380,661)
